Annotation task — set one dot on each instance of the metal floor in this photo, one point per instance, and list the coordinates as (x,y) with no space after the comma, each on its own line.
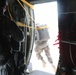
(37,72)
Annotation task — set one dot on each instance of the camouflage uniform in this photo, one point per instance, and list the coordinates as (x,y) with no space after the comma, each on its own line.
(40,47)
(41,39)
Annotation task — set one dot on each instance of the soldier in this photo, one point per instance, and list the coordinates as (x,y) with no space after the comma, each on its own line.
(41,42)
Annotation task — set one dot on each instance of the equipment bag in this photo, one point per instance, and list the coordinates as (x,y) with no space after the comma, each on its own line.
(42,34)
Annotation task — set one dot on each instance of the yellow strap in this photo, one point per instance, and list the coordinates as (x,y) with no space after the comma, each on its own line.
(23,25)
(9,11)
(25,10)
(10,14)
(28,4)
(42,27)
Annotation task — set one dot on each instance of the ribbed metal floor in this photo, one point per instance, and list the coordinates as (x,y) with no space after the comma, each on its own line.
(37,72)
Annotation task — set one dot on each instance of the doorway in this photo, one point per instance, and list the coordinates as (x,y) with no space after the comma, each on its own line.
(46,13)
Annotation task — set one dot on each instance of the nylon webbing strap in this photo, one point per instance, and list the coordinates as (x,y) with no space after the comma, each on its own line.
(28,4)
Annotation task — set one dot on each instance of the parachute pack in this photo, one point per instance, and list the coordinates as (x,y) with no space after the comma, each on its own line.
(42,33)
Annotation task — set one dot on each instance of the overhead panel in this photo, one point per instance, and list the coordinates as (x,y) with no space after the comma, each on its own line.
(39,1)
